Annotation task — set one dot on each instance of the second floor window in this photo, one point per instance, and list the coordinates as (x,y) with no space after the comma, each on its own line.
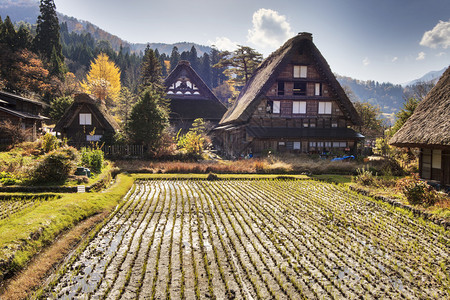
(299,89)
(280,88)
(300,71)
(325,108)
(299,107)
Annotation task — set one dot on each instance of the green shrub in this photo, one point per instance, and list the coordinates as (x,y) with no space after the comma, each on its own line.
(49,142)
(417,191)
(55,167)
(365,177)
(92,159)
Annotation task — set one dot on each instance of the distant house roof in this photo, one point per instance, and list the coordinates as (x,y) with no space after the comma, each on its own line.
(22,115)
(194,100)
(430,122)
(268,72)
(98,109)
(12,98)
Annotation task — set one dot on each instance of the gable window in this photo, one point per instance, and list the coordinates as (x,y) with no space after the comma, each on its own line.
(300,88)
(276,107)
(299,107)
(300,71)
(280,88)
(325,108)
(318,89)
(85,119)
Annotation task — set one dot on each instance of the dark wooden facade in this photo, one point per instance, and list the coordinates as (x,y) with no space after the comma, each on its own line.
(434,164)
(21,111)
(190,98)
(292,103)
(86,120)
(428,129)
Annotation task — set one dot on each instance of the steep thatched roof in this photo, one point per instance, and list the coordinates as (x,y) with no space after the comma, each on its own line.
(204,104)
(430,122)
(267,73)
(99,110)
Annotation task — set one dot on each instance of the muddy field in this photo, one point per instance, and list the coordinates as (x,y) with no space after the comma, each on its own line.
(258,239)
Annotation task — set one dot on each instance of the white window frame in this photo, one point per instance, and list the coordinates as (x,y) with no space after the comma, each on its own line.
(303,71)
(325,108)
(317,89)
(300,71)
(436,159)
(276,107)
(312,144)
(319,144)
(299,107)
(85,119)
(297,145)
(327,144)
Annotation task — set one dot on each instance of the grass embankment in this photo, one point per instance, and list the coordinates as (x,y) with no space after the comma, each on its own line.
(219,176)
(25,234)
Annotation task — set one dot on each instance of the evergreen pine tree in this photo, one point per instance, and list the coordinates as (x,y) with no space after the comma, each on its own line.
(205,70)
(193,59)
(9,34)
(47,32)
(56,67)
(150,70)
(174,58)
(23,38)
(147,120)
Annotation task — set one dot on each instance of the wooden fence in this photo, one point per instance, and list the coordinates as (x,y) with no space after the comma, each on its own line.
(115,151)
(123,150)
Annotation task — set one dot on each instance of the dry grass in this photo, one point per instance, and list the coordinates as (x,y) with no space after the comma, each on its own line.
(286,164)
(20,286)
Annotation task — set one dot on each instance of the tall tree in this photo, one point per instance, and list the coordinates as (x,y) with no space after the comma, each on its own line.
(193,59)
(103,79)
(9,36)
(150,70)
(371,118)
(47,32)
(407,110)
(148,120)
(240,64)
(174,58)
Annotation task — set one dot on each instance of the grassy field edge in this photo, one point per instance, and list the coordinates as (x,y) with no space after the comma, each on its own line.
(23,236)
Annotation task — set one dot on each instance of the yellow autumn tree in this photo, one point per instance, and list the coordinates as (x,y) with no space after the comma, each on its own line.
(103,79)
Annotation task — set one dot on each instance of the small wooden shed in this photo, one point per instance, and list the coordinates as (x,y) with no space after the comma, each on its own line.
(429,130)
(86,120)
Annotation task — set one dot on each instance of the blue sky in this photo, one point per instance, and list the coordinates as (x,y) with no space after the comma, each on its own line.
(382,40)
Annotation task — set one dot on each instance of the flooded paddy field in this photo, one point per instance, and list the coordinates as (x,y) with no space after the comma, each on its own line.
(257,239)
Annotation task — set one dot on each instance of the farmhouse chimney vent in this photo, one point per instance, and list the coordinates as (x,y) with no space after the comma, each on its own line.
(305,35)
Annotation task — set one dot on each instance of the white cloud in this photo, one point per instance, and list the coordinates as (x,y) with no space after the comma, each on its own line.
(395,59)
(439,36)
(420,56)
(366,61)
(223,43)
(441,54)
(270,29)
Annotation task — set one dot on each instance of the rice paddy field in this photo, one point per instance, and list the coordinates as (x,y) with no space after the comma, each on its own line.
(256,239)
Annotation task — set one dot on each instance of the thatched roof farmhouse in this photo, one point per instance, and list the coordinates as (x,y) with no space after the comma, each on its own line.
(293,103)
(190,98)
(429,129)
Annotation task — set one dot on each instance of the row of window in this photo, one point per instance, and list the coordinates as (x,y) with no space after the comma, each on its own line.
(299,89)
(290,145)
(296,107)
